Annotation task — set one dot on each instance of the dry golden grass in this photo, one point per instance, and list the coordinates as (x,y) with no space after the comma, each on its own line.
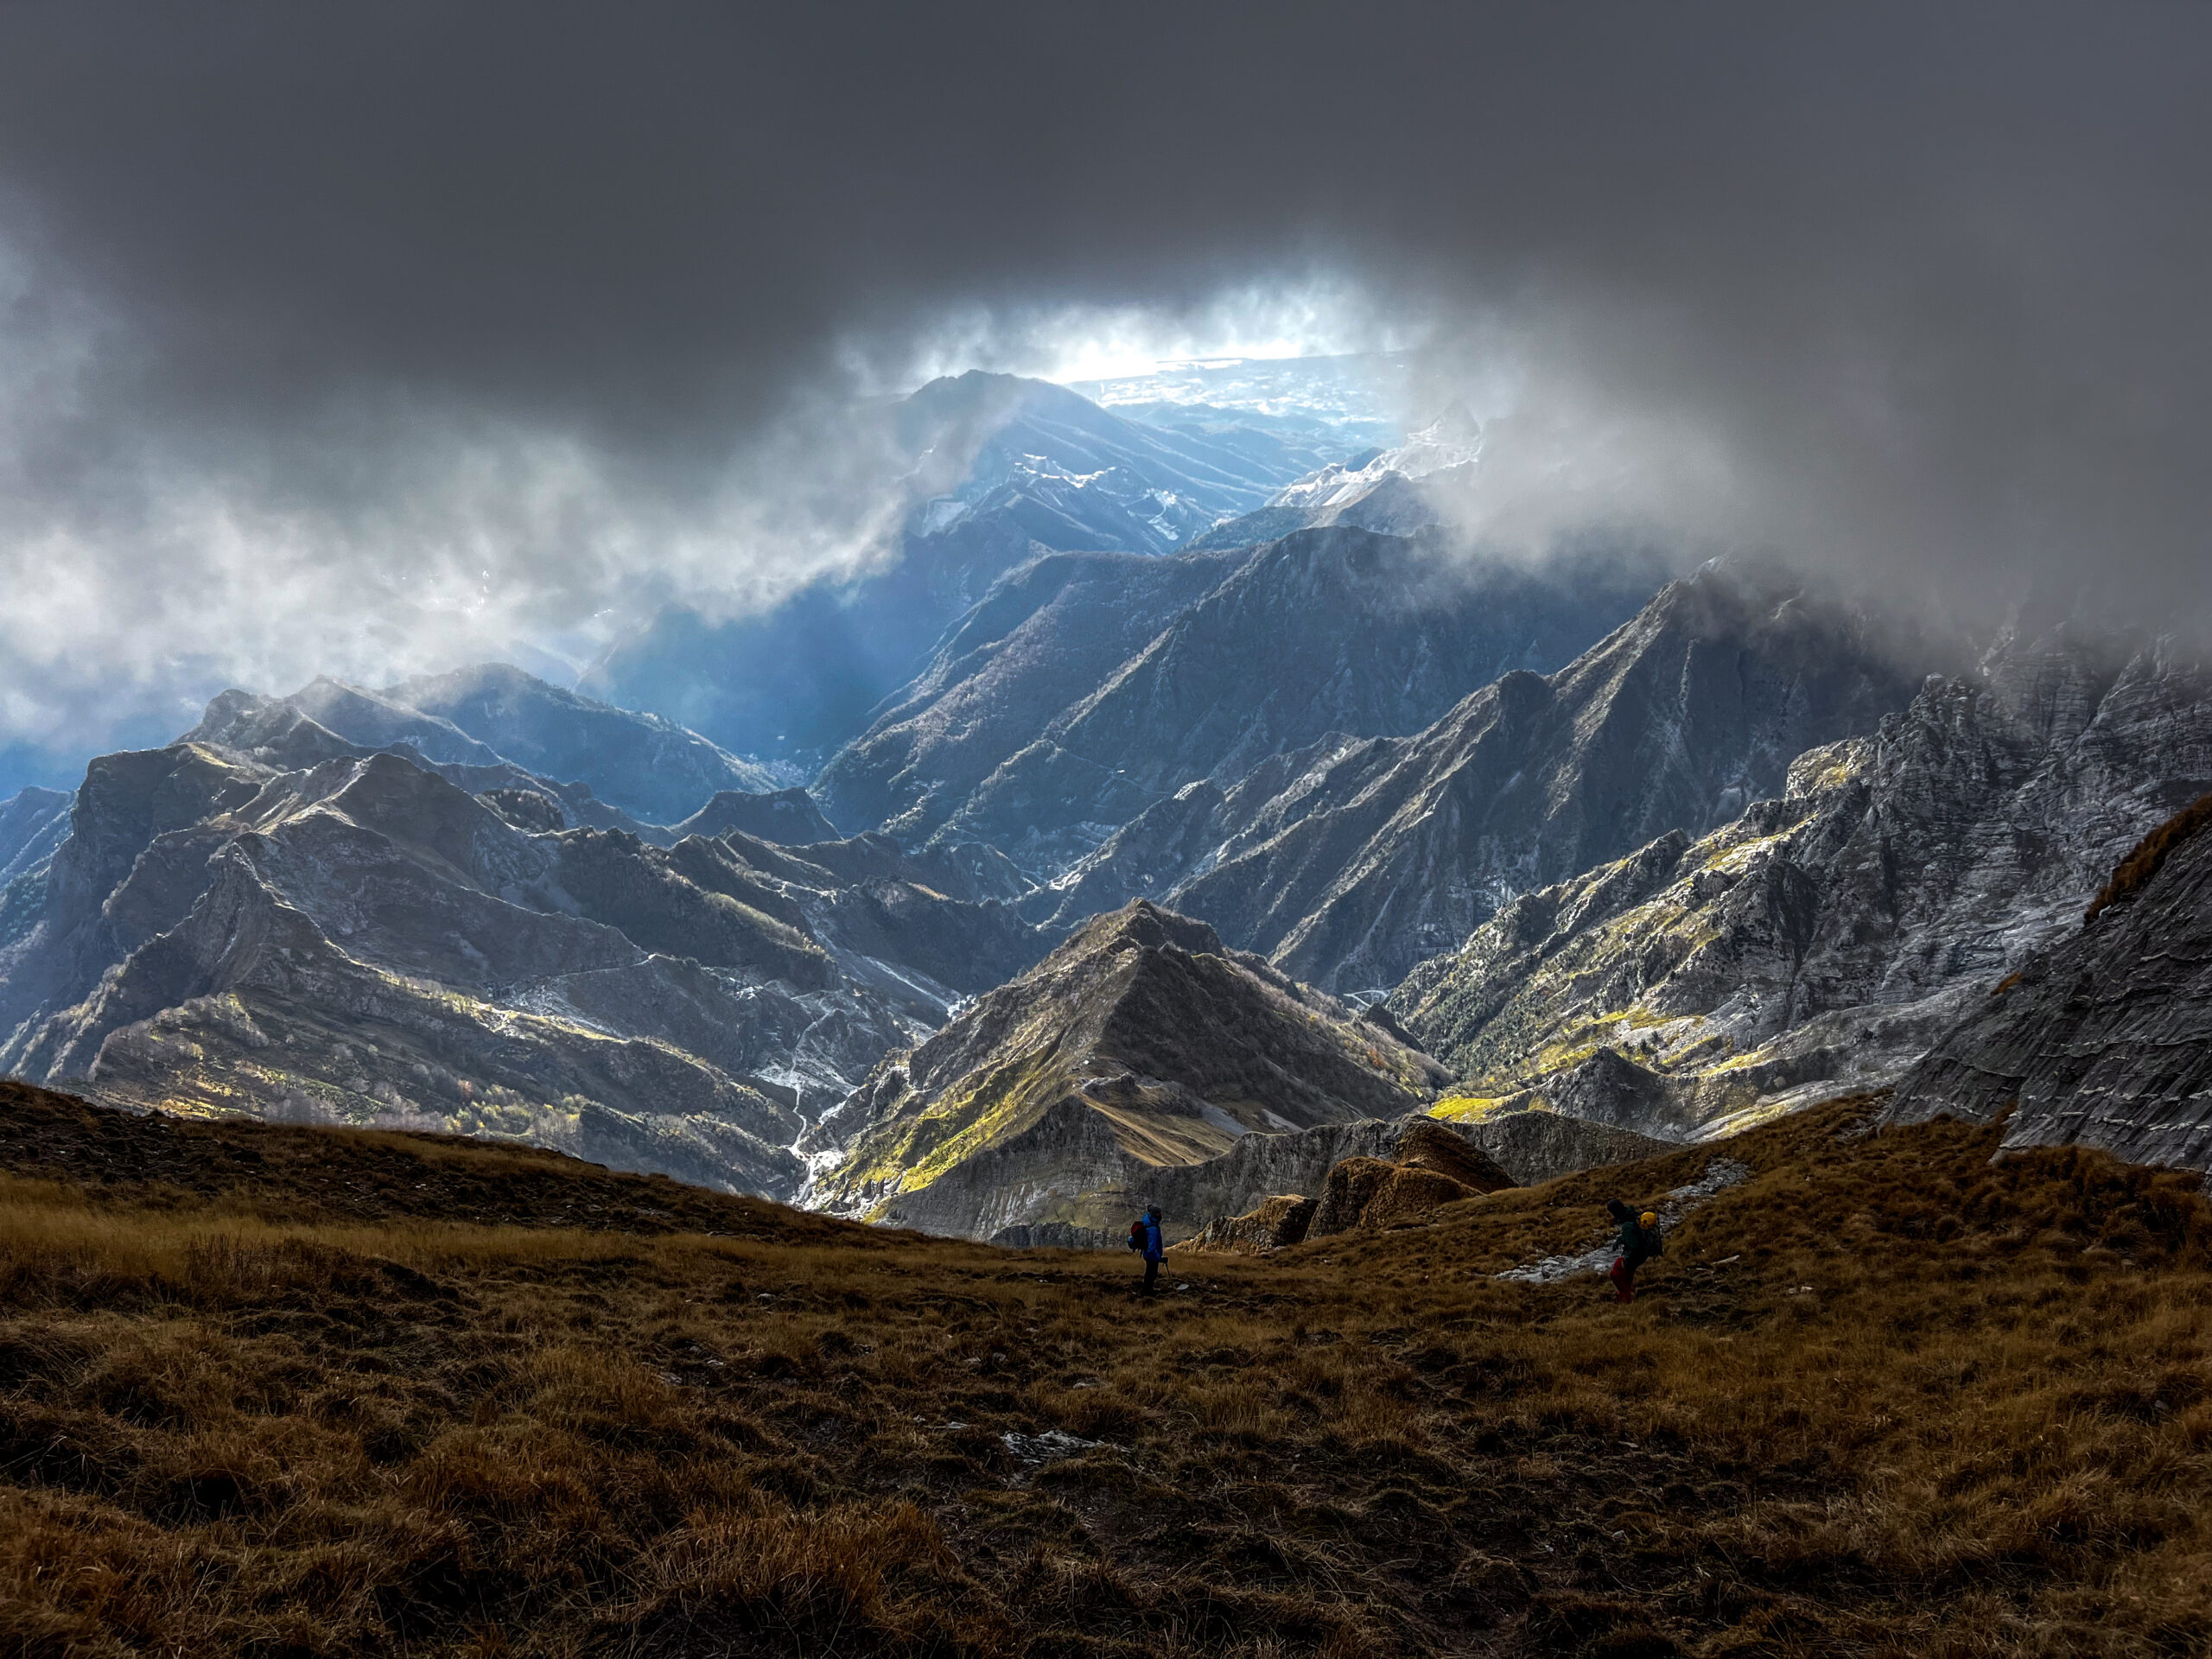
(2148,855)
(1884,1398)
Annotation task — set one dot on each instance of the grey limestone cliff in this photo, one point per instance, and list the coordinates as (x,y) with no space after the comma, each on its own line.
(1375,855)
(1822,940)
(2105,1036)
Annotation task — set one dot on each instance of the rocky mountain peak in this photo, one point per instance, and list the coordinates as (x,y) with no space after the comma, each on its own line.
(1139,1044)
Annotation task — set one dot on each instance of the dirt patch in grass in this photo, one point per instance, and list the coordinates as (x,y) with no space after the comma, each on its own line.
(1881,1397)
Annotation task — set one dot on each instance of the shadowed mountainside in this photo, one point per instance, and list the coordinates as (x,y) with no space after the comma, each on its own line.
(1330,631)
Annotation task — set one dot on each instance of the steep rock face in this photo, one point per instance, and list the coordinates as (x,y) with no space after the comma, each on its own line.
(1383,852)
(1139,1043)
(359,939)
(33,824)
(2104,1036)
(1277,1224)
(1046,635)
(1338,630)
(1820,943)
(30,828)
(1432,1167)
(640,762)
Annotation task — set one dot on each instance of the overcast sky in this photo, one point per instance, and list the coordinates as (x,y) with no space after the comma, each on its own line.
(369,337)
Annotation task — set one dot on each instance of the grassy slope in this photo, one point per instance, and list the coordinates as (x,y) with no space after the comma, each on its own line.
(1883,1398)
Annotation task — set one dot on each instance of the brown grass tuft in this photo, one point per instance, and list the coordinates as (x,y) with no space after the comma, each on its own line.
(2141,864)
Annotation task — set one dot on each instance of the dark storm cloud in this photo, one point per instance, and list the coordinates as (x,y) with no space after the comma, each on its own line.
(322,309)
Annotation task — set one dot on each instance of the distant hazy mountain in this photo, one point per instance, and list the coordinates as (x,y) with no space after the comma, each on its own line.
(1335,405)
(1052,472)
(643,763)
(492,715)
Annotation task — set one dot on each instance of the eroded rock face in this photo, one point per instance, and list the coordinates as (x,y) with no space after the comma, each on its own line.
(1432,1168)
(1337,630)
(1379,853)
(2104,1036)
(1824,939)
(1278,1223)
(303,929)
(1139,1045)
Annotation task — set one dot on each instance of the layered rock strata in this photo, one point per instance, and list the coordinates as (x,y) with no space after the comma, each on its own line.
(1821,942)
(2105,1037)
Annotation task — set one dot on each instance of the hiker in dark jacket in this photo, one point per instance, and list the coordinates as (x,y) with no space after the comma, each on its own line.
(1145,1237)
(1636,1246)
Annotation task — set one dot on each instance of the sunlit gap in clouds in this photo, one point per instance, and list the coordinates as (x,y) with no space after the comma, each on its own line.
(1072,342)
(414,531)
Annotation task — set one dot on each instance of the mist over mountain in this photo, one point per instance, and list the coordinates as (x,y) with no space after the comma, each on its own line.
(1050,472)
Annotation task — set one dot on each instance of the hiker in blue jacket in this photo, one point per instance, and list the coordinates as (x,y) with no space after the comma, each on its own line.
(1144,1234)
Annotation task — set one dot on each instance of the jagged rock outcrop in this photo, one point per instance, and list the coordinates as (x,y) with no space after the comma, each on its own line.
(1335,630)
(1382,852)
(2105,1036)
(1432,1168)
(1140,1044)
(1820,943)
(303,927)
(1277,1224)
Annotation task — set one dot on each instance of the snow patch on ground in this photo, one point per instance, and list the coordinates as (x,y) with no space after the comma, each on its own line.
(1720,1175)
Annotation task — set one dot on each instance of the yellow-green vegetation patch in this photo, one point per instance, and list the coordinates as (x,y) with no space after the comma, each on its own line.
(957,1128)
(1474,1109)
